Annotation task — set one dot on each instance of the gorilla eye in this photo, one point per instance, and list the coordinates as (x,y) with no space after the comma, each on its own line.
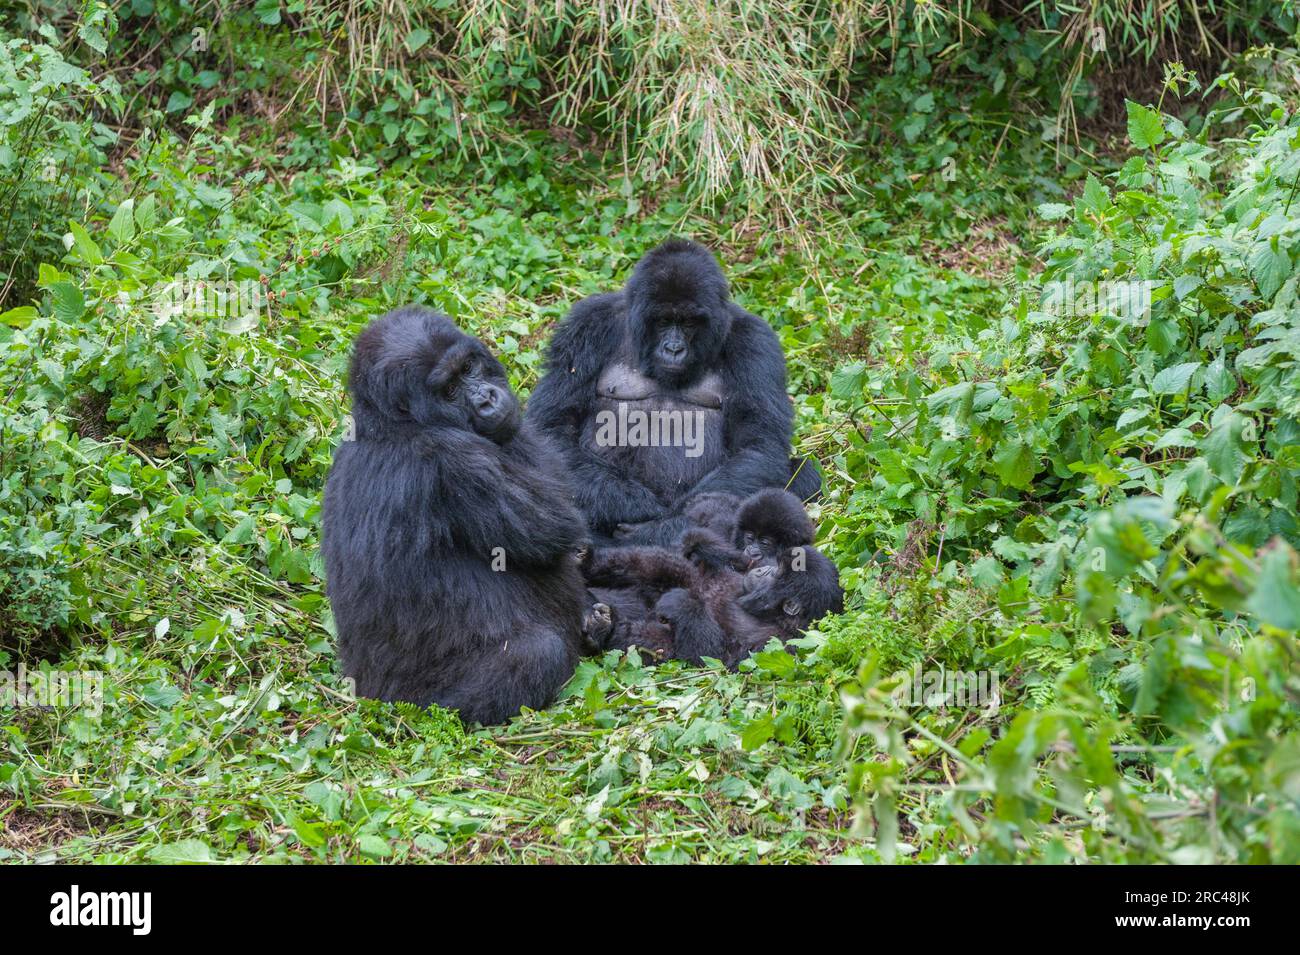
(765,542)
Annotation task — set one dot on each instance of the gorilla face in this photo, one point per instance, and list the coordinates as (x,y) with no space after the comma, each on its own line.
(414,366)
(770,525)
(673,337)
(759,547)
(473,383)
(678,304)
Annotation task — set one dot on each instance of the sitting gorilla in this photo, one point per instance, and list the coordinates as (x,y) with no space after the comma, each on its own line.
(449,535)
(662,392)
(721,598)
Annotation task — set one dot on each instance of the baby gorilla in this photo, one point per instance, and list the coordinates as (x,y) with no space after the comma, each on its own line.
(449,534)
(721,598)
(787,576)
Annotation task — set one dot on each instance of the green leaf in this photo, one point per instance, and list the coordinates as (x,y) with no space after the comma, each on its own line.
(416,39)
(68,303)
(121,228)
(1145,127)
(1270,266)
(1015,464)
(373,845)
(1095,196)
(184,852)
(19,317)
(777,662)
(986,573)
(757,733)
(85,245)
(1175,379)
(1224,449)
(848,381)
(268,11)
(1276,598)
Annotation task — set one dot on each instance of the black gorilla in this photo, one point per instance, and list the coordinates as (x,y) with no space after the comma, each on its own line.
(449,534)
(720,597)
(787,577)
(664,391)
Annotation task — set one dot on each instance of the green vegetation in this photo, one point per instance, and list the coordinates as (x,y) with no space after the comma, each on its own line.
(1039,301)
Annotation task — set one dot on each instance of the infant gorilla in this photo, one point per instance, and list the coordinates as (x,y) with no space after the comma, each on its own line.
(747,572)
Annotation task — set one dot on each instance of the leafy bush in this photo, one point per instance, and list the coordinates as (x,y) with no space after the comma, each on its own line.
(1133,417)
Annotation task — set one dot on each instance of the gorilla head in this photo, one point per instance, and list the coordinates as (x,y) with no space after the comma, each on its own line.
(770,524)
(413,366)
(787,576)
(679,308)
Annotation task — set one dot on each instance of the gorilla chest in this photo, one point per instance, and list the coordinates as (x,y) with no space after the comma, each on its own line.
(667,438)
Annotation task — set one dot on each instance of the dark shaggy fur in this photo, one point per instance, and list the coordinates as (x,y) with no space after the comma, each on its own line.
(440,485)
(787,577)
(722,598)
(671,341)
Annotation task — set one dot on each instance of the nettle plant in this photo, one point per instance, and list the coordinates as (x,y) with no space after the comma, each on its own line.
(1129,431)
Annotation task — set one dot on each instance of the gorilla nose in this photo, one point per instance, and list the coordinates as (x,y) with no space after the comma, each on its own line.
(753,553)
(487,400)
(675,348)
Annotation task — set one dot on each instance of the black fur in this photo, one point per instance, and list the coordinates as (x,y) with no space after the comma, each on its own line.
(686,346)
(788,579)
(722,598)
(440,482)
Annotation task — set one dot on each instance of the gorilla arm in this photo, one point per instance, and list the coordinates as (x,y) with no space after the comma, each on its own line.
(503,496)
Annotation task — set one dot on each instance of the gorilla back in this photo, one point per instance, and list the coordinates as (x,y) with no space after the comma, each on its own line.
(449,537)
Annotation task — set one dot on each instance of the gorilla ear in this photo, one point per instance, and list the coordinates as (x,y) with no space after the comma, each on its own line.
(379,389)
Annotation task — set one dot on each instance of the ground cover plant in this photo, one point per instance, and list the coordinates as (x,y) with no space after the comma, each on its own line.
(1037,289)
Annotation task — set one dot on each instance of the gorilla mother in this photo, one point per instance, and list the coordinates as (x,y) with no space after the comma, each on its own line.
(664,391)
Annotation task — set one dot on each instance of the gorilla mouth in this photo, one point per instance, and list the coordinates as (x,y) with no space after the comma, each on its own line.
(500,422)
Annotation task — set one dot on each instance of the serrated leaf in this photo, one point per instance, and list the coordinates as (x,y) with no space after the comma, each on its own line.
(1224,449)
(69,305)
(1174,379)
(1095,196)
(1015,464)
(1145,127)
(1270,266)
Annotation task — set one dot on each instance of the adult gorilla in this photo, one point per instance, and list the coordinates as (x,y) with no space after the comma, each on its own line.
(449,536)
(664,391)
